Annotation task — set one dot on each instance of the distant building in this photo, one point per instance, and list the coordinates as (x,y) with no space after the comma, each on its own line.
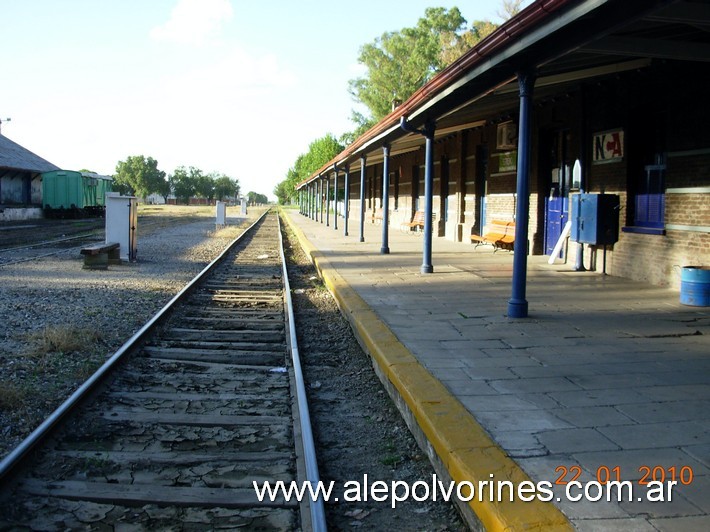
(20,181)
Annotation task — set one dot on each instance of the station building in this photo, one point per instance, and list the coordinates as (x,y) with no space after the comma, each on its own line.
(569,97)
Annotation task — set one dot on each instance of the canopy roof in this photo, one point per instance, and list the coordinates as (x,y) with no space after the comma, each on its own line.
(562,41)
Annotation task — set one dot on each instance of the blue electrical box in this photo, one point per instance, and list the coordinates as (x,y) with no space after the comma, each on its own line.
(595,219)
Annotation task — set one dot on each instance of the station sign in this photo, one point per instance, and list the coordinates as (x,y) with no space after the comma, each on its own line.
(608,146)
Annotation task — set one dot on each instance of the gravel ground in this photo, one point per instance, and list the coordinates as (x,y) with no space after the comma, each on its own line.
(60,322)
(49,304)
(358,430)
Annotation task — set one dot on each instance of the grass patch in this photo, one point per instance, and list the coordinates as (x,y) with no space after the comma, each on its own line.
(11,396)
(61,339)
(391,457)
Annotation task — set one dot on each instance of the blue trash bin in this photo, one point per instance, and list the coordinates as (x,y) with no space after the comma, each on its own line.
(695,286)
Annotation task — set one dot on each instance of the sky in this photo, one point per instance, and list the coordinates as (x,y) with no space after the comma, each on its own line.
(239,87)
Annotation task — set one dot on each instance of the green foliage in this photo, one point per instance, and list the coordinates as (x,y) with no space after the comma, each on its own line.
(282,194)
(509,8)
(204,185)
(400,62)
(397,64)
(255,198)
(139,175)
(224,186)
(186,183)
(363,124)
(182,184)
(320,151)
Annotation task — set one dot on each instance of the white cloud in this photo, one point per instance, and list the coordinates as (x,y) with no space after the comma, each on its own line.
(194,21)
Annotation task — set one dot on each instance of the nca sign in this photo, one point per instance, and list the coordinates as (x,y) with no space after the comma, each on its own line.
(608,146)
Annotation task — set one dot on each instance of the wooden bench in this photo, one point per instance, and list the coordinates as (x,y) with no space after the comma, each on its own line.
(499,233)
(417,222)
(99,256)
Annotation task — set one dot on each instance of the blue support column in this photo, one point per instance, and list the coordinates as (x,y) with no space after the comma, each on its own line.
(317,199)
(428,131)
(385,249)
(346,200)
(310,200)
(518,305)
(321,196)
(363,160)
(335,198)
(327,200)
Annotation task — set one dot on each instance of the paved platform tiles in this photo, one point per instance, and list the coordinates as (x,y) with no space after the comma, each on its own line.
(605,373)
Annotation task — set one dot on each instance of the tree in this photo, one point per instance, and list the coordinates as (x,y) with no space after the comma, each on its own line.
(204,184)
(224,186)
(257,199)
(139,175)
(164,189)
(454,45)
(282,196)
(509,8)
(320,151)
(182,184)
(398,63)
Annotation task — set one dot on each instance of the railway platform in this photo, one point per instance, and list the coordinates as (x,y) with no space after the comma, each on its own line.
(607,379)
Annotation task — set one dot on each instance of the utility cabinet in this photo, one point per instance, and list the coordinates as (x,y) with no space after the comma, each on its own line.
(121,223)
(221,214)
(595,219)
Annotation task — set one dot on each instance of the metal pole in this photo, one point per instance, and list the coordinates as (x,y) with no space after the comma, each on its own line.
(335,199)
(518,305)
(346,199)
(385,249)
(327,200)
(320,197)
(310,201)
(363,160)
(428,132)
(317,199)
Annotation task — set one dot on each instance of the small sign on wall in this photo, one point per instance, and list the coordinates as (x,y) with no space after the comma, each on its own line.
(508,161)
(608,146)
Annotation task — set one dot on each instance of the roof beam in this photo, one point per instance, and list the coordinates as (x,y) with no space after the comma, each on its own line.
(691,13)
(679,50)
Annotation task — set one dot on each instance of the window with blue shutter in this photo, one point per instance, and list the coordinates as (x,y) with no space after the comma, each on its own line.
(650,198)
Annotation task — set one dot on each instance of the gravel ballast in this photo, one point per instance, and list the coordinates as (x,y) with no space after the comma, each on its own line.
(60,322)
(51,303)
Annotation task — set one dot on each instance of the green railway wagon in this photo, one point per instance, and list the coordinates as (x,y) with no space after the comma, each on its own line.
(66,193)
(104,184)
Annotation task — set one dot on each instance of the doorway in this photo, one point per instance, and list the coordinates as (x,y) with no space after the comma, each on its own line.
(556,166)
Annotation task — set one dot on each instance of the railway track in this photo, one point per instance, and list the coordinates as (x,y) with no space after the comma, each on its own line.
(174,428)
(31,242)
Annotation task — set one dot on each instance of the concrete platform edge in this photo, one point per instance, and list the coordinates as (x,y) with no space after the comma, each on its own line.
(443,427)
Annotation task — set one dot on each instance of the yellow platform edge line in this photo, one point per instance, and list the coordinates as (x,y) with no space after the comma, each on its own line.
(462,445)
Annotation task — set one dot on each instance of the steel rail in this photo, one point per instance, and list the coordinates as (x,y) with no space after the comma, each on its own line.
(48,242)
(13,459)
(316,507)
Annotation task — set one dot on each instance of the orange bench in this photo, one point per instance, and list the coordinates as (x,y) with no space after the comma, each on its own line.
(499,233)
(377,216)
(417,222)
